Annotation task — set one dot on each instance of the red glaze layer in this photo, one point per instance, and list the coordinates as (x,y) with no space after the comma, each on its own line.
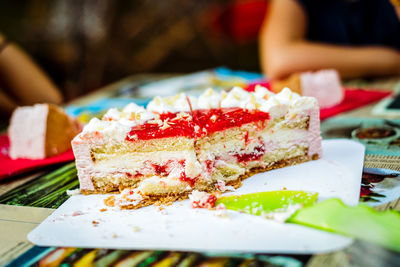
(208,121)
(215,120)
(176,127)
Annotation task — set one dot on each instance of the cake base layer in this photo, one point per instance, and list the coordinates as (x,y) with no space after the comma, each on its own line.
(167,199)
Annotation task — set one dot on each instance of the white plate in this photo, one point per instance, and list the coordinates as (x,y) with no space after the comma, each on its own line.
(337,174)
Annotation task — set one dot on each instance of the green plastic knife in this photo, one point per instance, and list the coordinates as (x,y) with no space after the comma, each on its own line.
(331,215)
(264,203)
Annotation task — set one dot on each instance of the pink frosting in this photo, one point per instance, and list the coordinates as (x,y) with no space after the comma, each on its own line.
(314,138)
(84,163)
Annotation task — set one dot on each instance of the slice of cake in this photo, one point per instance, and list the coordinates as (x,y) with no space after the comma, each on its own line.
(324,85)
(180,143)
(40,131)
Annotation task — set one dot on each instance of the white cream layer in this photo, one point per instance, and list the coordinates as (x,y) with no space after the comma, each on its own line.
(277,105)
(119,164)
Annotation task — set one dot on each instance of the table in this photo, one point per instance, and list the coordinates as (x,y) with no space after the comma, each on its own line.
(17,221)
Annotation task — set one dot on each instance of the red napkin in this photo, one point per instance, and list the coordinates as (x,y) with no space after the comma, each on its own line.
(9,167)
(353,98)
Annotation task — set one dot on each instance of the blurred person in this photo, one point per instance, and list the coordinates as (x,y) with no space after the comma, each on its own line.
(357,37)
(22,82)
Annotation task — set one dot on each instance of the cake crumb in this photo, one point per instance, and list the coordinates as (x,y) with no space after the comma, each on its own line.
(95,223)
(284,188)
(129,198)
(221,211)
(73,192)
(114,235)
(221,186)
(77,213)
(110,201)
(201,199)
(103,210)
(162,210)
(221,206)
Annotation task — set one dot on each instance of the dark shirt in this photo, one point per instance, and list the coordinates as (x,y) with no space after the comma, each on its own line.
(352,22)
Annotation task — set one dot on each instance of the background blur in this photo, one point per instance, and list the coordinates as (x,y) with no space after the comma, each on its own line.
(85,44)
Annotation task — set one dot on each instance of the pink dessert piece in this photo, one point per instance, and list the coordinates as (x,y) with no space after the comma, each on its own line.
(40,131)
(324,85)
